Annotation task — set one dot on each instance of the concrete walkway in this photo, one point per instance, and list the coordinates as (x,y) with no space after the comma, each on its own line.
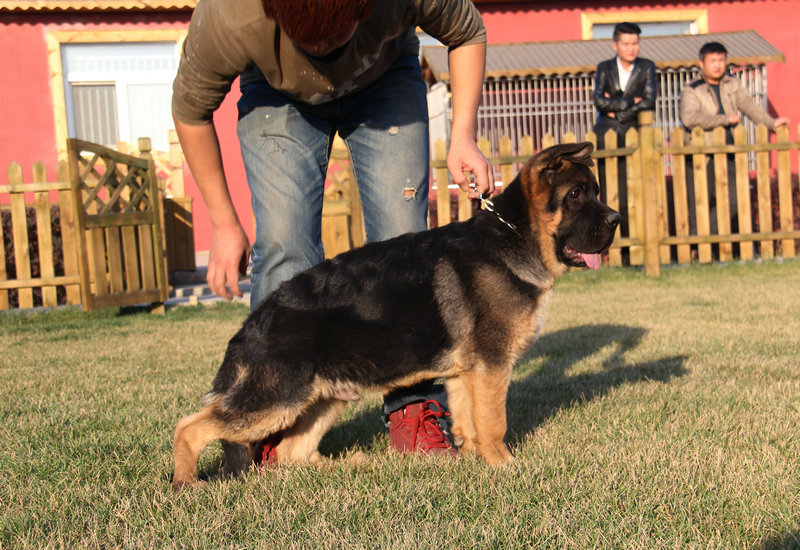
(189,288)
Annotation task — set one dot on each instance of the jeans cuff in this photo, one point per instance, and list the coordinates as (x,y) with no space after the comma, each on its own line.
(398,399)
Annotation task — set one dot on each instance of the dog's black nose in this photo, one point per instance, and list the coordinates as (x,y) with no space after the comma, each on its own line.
(613,218)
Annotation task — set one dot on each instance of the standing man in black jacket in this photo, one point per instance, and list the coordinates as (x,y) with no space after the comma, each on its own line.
(623,86)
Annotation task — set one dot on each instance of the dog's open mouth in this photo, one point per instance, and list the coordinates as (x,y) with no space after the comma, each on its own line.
(580,259)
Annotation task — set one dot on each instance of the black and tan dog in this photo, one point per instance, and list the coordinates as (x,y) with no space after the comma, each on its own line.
(461,302)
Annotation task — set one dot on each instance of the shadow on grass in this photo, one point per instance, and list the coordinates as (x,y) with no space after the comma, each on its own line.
(546,390)
(539,394)
(788,541)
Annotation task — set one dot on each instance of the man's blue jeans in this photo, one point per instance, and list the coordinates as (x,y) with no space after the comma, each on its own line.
(286,145)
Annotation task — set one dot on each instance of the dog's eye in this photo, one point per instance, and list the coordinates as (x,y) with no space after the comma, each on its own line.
(574,193)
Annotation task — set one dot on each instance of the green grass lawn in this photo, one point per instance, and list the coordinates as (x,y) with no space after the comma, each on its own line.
(651,413)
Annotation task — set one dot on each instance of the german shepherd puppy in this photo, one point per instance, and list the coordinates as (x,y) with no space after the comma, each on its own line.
(460,302)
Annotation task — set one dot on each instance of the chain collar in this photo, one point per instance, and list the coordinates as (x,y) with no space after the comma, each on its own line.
(489,205)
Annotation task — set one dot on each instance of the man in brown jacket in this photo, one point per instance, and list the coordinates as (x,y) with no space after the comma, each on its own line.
(715,100)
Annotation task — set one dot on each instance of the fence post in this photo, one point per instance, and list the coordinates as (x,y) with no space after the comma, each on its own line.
(722,184)
(159,244)
(764,193)
(785,193)
(44,235)
(82,240)
(743,193)
(633,181)
(20,235)
(506,149)
(649,210)
(69,235)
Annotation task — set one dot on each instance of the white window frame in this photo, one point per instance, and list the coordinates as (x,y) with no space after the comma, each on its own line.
(56,39)
(697,19)
(120,79)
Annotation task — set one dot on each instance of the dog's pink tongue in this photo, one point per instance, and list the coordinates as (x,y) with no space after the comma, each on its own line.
(591,260)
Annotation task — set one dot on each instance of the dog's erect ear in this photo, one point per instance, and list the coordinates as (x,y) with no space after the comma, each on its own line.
(579,153)
(540,170)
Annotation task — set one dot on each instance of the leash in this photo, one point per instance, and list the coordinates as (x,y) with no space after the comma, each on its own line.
(489,205)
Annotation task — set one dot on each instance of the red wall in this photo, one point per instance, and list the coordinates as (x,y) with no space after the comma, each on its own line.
(766,19)
(26,111)
(515,22)
(225,122)
(772,19)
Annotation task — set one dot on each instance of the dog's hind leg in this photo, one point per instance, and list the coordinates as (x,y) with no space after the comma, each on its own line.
(192,434)
(238,458)
(301,442)
(489,392)
(459,401)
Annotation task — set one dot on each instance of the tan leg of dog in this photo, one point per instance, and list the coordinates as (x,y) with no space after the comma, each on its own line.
(192,434)
(490,389)
(459,401)
(302,440)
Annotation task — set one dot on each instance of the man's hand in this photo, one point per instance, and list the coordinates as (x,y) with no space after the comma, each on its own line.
(227,260)
(733,120)
(230,249)
(781,121)
(464,156)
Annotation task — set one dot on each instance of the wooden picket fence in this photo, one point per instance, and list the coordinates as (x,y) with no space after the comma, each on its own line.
(39,256)
(342,218)
(178,222)
(768,202)
(658,210)
(55,265)
(40,247)
(42,267)
(169,163)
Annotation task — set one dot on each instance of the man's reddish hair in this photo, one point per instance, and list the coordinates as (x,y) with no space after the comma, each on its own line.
(310,20)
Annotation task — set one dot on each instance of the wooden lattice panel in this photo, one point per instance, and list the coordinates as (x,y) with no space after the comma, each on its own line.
(122,247)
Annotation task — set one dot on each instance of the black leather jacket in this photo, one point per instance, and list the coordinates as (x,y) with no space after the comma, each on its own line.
(642,83)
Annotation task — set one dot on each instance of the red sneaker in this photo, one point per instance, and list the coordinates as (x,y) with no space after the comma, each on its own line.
(416,428)
(267,455)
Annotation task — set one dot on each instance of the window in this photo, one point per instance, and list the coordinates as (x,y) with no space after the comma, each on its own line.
(114,85)
(598,25)
(658,28)
(119,92)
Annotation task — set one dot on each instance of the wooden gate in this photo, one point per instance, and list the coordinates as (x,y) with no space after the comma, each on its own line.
(119,235)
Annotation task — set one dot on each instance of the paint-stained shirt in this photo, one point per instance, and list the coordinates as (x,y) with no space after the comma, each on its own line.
(228,38)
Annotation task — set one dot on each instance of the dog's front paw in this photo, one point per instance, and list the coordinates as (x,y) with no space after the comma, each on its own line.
(316,459)
(181,484)
(496,455)
(358,458)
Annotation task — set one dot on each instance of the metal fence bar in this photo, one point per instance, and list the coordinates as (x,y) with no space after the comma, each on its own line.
(558,104)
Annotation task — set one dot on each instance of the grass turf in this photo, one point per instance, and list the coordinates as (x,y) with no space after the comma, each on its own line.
(650,413)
